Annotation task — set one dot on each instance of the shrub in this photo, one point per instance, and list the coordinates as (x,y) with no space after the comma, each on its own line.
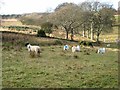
(83,43)
(41,33)
(89,44)
(47,27)
(58,42)
(86,43)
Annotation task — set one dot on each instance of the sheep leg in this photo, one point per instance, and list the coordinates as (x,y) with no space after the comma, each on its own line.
(38,53)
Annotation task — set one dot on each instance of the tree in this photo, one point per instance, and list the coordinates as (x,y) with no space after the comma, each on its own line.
(104,20)
(41,33)
(68,17)
(47,27)
(100,17)
(87,18)
(62,5)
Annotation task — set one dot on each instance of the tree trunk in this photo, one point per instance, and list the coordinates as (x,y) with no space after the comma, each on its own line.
(88,34)
(84,31)
(98,37)
(91,31)
(93,35)
(72,34)
(66,35)
(67,31)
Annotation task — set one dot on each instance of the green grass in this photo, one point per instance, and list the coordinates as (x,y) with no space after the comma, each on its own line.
(55,68)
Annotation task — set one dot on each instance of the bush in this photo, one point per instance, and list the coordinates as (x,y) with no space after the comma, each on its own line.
(83,43)
(89,44)
(86,43)
(47,27)
(41,33)
(58,42)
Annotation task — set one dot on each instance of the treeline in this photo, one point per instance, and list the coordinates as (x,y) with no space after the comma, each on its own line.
(19,28)
(10,16)
(26,15)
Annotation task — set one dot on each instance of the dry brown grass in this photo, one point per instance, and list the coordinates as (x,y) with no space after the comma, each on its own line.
(8,22)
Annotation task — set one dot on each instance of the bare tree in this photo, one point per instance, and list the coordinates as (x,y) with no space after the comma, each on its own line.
(68,17)
(100,16)
(104,20)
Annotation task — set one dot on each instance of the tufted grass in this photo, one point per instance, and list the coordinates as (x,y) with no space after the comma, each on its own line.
(56,68)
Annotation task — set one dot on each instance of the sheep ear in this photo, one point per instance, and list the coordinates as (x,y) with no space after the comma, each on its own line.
(26,44)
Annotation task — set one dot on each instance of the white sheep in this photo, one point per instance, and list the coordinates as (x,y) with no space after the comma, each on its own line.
(76,48)
(101,50)
(66,47)
(108,45)
(34,49)
(73,48)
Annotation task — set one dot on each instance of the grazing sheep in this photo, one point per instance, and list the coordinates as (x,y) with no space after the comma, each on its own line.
(73,48)
(108,45)
(101,50)
(66,47)
(34,49)
(76,48)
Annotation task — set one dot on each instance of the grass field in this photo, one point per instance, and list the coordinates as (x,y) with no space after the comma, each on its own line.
(8,22)
(62,69)
(55,68)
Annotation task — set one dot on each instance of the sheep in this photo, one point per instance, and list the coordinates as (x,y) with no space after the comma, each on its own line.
(108,45)
(101,50)
(66,47)
(33,49)
(73,49)
(76,48)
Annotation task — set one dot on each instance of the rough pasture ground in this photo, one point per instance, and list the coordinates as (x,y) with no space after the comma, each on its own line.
(56,68)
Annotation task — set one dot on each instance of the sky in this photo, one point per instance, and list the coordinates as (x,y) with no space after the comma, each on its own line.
(30,6)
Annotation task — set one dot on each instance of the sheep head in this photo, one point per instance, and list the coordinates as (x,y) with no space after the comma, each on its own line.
(26,44)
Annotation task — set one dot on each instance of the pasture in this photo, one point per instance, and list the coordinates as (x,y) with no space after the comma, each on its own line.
(55,68)
(8,22)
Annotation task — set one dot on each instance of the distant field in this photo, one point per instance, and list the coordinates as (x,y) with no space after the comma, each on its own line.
(55,68)
(8,22)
